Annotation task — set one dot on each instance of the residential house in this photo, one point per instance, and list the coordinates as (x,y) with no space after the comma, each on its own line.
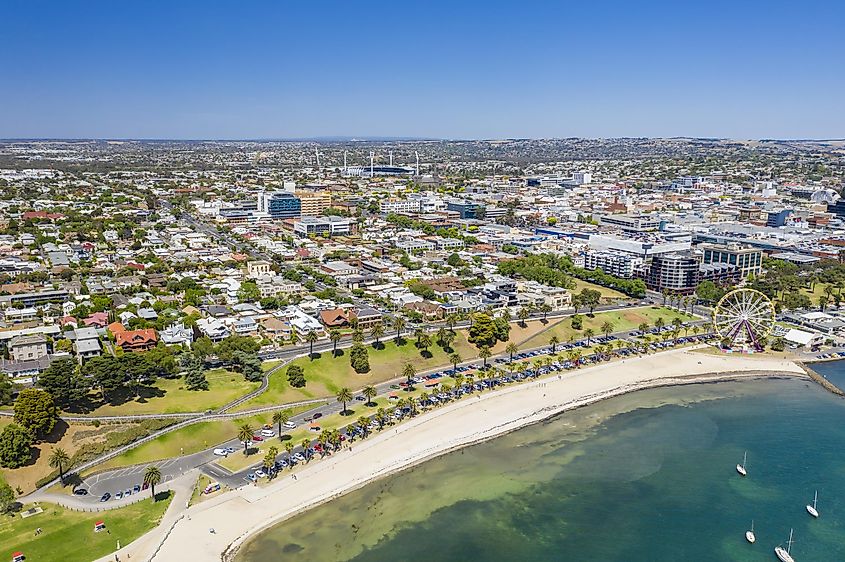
(177,334)
(136,340)
(275,328)
(97,320)
(86,343)
(334,318)
(27,348)
(212,328)
(367,317)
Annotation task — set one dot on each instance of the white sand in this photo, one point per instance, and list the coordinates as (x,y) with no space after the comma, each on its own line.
(238,514)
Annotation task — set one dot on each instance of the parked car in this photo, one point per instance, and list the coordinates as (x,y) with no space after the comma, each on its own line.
(268,433)
(317,415)
(118,495)
(260,473)
(80,492)
(257,438)
(105,497)
(136,488)
(289,425)
(221,452)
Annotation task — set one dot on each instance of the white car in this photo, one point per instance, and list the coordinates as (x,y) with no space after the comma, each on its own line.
(221,452)
(299,457)
(268,433)
(289,425)
(260,473)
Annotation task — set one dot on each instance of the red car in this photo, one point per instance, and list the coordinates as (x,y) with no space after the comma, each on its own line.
(257,438)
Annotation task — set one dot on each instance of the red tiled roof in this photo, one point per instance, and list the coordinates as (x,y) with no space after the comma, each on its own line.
(136,337)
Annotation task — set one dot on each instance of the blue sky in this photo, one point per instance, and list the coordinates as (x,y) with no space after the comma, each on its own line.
(446,69)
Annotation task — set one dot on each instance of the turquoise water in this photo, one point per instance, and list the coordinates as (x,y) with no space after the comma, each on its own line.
(644,477)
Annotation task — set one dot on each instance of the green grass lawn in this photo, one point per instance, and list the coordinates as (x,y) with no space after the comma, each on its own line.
(188,440)
(606,293)
(327,374)
(69,535)
(621,319)
(169,396)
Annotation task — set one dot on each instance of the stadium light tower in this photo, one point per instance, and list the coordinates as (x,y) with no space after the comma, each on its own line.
(417,154)
(372,164)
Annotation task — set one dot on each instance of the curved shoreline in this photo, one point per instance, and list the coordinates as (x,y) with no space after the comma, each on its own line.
(230,554)
(239,515)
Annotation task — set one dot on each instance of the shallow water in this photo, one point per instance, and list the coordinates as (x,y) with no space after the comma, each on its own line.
(644,477)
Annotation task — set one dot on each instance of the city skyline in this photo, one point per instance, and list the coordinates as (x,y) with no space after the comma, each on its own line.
(216,71)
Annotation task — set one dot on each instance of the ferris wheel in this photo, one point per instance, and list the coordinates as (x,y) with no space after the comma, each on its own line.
(744,317)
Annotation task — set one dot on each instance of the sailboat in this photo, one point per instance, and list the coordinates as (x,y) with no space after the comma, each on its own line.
(783,554)
(749,535)
(741,467)
(811,509)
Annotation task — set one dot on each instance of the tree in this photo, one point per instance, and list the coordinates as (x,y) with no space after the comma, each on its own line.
(270,458)
(643,327)
(451,320)
(523,314)
(245,433)
(484,353)
(577,322)
(288,448)
(357,335)
(106,374)
(408,371)
(778,344)
(399,324)
(511,349)
(359,358)
(344,395)
(311,338)
(369,393)
(659,323)
(7,496)
(487,331)
(553,341)
(59,460)
(424,342)
(445,337)
(296,376)
(227,347)
(708,292)
(376,332)
(334,337)
(545,309)
(380,417)
(589,333)
(7,391)
(249,292)
(455,358)
(306,448)
(248,364)
(202,347)
(15,446)
(607,328)
(152,476)
(63,381)
(281,417)
(590,298)
(194,372)
(36,411)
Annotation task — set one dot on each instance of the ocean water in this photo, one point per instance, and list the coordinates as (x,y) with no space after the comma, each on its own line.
(644,477)
(834,371)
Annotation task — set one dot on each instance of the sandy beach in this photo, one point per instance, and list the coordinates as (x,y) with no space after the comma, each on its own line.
(239,514)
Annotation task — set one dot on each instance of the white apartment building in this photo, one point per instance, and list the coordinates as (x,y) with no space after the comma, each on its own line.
(614,263)
(320,226)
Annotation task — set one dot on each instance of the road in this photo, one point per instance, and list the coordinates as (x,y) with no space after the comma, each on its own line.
(126,478)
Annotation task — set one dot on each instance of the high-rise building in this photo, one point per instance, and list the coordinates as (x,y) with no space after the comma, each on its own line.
(279,204)
(314,202)
(677,273)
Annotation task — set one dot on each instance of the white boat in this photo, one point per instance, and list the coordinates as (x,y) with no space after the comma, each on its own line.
(741,467)
(811,509)
(783,553)
(749,535)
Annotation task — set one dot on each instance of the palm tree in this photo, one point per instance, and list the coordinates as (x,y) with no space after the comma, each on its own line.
(399,324)
(245,433)
(455,358)
(643,327)
(334,336)
(344,395)
(451,320)
(607,328)
(424,342)
(659,323)
(511,349)
(418,334)
(280,417)
(306,445)
(311,338)
(545,309)
(270,458)
(523,315)
(59,459)
(484,353)
(377,332)
(152,476)
(380,415)
(369,392)
(289,448)
(589,333)
(553,341)
(408,372)
(470,381)
(363,422)
(696,329)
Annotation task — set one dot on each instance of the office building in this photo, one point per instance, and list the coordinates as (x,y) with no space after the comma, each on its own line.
(676,273)
(631,223)
(323,226)
(748,260)
(466,209)
(618,264)
(313,203)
